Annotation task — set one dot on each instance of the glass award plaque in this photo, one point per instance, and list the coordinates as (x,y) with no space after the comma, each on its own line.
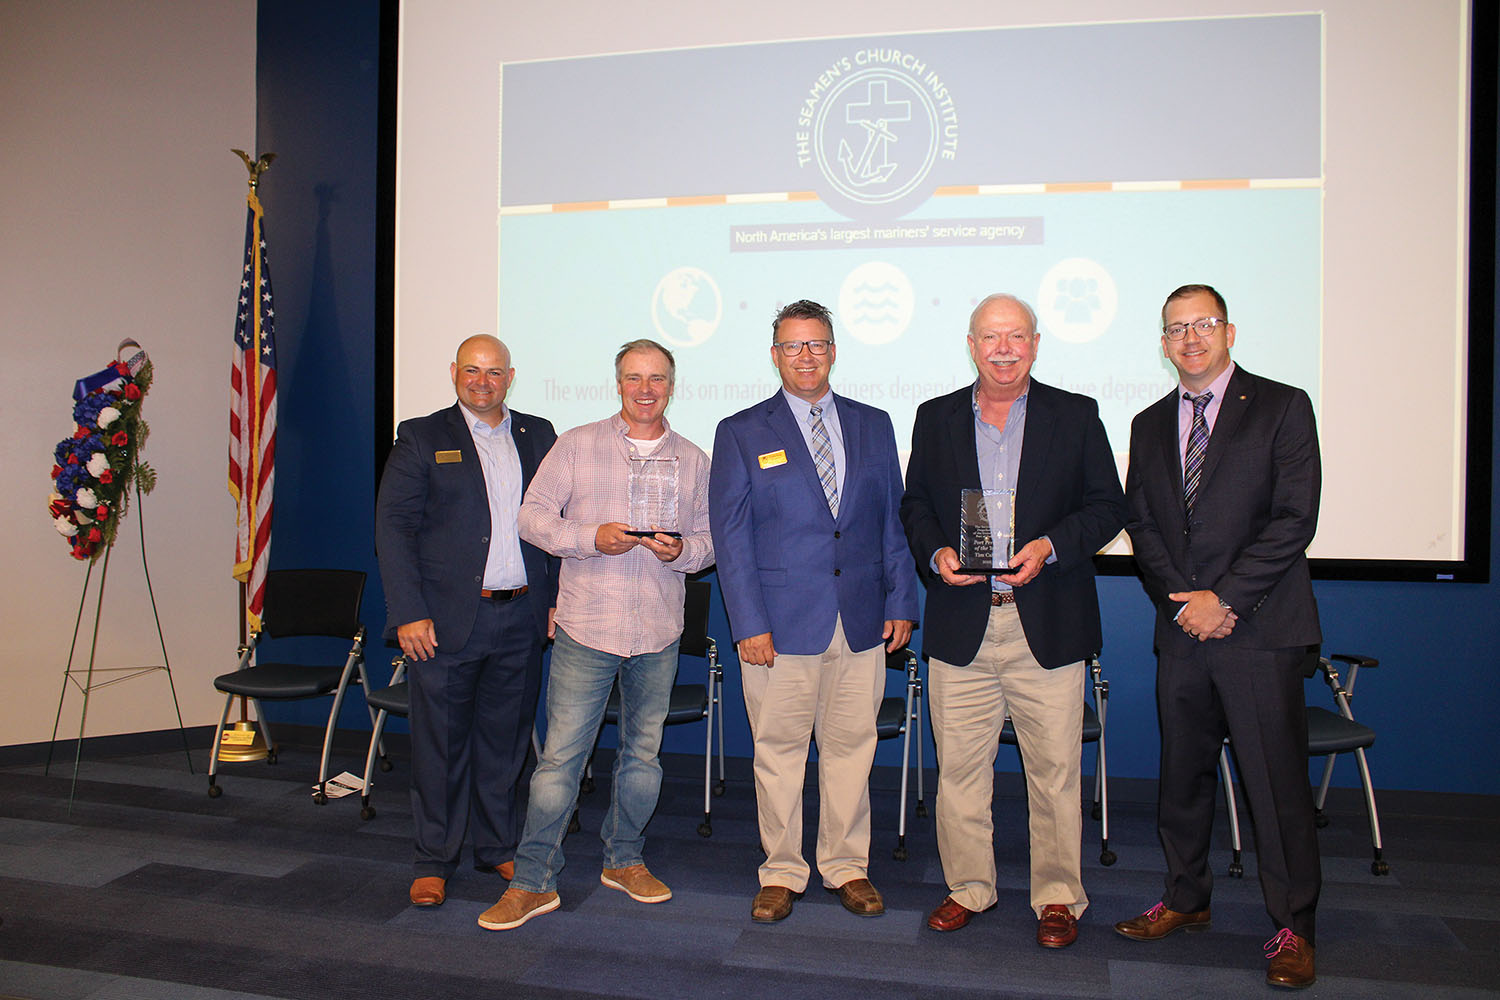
(987,531)
(653,496)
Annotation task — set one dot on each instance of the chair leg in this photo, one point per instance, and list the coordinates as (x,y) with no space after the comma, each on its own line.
(367,811)
(1318,818)
(214,791)
(706,828)
(718,684)
(1378,866)
(265,731)
(1236,868)
(921,803)
(1101,798)
(355,661)
(900,852)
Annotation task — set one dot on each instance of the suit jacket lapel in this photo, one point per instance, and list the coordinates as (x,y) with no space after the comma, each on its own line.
(965,450)
(463,440)
(789,435)
(851,427)
(1036,442)
(524,449)
(1238,394)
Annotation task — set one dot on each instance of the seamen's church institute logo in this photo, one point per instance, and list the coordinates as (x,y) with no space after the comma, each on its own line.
(876,122)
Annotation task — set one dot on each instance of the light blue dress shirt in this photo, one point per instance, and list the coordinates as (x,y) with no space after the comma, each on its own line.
(802,413)
(501,465)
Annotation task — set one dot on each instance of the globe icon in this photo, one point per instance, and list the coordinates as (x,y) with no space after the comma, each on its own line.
(686,307)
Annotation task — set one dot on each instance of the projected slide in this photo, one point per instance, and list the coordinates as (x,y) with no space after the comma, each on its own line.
(685,195)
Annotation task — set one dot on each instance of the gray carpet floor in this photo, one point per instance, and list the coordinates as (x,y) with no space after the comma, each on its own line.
(147,888)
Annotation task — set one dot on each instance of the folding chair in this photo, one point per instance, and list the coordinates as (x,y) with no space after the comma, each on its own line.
(1329,733)
(1094,717)
(299,602)
(899,716)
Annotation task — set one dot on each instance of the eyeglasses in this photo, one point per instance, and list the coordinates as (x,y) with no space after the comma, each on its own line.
(792,348)
(1205,327)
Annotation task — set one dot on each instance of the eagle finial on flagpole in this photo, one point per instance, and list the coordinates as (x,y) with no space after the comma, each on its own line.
(257,166)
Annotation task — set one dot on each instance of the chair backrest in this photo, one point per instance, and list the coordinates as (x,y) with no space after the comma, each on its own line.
(695,620)
(313,602)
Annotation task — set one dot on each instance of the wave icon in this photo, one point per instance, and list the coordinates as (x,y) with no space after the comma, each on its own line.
(876,303)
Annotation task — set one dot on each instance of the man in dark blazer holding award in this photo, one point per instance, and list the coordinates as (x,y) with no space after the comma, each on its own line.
(1013,642)
(1223,492)
(470,604)
(803,499)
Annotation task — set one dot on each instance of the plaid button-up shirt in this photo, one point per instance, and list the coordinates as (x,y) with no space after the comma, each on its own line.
(626,604)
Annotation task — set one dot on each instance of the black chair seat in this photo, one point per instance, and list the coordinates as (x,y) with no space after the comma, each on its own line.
(889,719)
(280,681)
(1328,732)
(395,699)
(689,703)
(1090,727)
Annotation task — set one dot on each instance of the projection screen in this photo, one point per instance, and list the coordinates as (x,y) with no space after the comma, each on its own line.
(574,177)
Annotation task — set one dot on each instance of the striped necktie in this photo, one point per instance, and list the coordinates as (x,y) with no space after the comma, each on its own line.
(823,459)
(1192,463)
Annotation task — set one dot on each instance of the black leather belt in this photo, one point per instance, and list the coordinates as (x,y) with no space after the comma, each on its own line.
(998,598)
(504,595)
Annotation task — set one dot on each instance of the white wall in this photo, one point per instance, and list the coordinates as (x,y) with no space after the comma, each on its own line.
(123,215)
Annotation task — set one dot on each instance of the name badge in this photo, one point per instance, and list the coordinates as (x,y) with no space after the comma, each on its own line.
(771,459)
(444,457)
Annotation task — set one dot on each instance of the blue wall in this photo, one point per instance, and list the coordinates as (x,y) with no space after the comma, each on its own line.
(1433,700)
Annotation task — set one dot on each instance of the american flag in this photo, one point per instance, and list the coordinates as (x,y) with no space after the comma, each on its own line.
(252,417)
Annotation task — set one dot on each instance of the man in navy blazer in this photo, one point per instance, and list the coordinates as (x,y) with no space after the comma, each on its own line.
(1223,490)
(803,499)
(1016,645)
(470,604)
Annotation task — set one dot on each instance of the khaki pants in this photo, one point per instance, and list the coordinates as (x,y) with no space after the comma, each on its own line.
(969,705)
(835,696)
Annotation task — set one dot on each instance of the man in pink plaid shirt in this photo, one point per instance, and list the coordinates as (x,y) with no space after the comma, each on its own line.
(619,614)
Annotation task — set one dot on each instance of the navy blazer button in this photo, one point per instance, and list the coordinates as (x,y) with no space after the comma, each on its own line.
(485,539)
(838,534)
(836,572)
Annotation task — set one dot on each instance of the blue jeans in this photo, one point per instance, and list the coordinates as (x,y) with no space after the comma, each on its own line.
(576,696)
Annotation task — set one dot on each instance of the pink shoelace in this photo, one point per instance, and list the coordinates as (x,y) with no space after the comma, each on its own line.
(1284,940)
(1154,914)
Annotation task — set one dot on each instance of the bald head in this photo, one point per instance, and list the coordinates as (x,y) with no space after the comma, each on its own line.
(481,377)
(483,340)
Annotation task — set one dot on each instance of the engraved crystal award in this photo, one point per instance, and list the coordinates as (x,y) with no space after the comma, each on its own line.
(987,531)
(653,496)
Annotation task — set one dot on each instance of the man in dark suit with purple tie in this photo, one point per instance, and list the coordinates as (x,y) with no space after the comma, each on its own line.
(470,605)
(1223,490)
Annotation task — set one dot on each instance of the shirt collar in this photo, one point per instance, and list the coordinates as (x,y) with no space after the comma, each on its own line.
(477,423)
(1218,386)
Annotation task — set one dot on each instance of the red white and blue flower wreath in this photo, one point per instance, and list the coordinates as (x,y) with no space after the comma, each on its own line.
(96,467)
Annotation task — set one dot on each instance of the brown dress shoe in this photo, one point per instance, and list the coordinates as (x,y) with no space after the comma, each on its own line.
(429,890)
(516,907)
(773,903)
(949,916)
(1157,922)
(1291,961)
(507,870)
(1056,927)
(861,898)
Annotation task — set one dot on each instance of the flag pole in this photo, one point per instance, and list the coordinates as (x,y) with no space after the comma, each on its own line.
(242,741)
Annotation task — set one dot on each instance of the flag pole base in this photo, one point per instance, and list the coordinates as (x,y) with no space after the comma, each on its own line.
(241,743)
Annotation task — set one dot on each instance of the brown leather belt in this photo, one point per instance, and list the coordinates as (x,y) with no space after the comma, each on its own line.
(999,598)
(504,595)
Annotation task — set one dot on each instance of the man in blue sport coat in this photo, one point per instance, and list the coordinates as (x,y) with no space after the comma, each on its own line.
(803,500)
(470,605)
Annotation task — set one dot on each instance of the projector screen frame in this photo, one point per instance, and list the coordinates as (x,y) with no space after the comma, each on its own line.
(1474,567)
